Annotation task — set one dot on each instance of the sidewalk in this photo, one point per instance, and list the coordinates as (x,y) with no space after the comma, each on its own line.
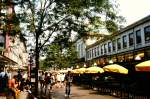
(79,93)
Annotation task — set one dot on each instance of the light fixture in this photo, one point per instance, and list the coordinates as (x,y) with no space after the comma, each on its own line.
(110,62)
(84,65)
(137,57)
(77,66)
(95,64)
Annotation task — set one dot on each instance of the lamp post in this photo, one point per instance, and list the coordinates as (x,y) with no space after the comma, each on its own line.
(30,63)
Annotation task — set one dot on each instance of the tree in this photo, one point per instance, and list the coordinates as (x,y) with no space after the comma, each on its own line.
(45,20)
(9,23)
(60,58)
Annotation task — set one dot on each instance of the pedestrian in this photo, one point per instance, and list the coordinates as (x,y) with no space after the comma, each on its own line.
(47,82)
(13,84)
(3,80)
(41,79)
(28,82)
(68,81)
(22,84)
(19,77)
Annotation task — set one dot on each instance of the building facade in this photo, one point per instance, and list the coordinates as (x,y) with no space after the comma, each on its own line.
(127,47)
(12,45)
(130,44)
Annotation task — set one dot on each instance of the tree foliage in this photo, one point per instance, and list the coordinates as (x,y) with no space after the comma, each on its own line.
(49,19)
(9,23)
(57,57)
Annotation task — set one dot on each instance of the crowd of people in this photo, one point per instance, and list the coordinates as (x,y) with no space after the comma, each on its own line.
(49,80)
(12,85)
(58,80)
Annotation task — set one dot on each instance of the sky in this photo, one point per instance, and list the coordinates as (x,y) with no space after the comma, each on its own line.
(134,10)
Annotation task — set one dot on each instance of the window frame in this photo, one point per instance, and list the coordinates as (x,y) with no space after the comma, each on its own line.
(148,34)
(131,34)
(114,45)
(118,43)
(138,37)
(124,41)
(109,47)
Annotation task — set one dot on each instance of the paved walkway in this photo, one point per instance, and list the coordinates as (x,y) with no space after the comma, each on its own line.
(79,93)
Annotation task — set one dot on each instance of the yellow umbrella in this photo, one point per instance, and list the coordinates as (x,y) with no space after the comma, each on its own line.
(143,66)
(74,71)
(94,69)
(63,71)
(80,70)
(115,68)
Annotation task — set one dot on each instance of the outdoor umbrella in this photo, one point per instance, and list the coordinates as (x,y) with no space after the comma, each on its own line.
(115,68)
(94,69)
(63,71)
(79,71)
(143,66)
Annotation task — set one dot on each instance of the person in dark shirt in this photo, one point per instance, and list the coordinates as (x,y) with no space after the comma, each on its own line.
(68,80)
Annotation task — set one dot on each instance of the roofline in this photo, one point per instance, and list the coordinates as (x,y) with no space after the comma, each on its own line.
(137,23)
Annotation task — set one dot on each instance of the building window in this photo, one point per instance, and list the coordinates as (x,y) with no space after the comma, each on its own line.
(2,41)
(124,41)
(114,45)
(118,43)
(102,50)
(93,54)
(147,34)
(81,50)
(97,50)
(88,55)
(109,47)
(131,39)
(138,37)
(105,48)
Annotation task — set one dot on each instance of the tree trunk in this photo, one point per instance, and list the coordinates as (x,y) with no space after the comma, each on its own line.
(37,64)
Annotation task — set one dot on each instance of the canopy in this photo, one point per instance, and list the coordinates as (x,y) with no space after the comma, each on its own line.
(143,66)
(80,70)
(115,68)
(94,69)
(63,71)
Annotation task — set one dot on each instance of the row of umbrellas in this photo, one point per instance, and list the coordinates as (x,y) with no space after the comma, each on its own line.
(143,66)
(109,68)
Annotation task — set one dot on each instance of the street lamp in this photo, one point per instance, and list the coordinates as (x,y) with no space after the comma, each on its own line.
(30,63)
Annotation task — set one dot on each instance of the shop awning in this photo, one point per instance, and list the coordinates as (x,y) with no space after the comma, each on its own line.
(5,60)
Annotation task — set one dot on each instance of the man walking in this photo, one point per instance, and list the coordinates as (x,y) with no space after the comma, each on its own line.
(68,80)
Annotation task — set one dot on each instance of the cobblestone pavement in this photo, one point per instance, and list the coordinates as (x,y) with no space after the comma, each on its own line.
(79,93)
